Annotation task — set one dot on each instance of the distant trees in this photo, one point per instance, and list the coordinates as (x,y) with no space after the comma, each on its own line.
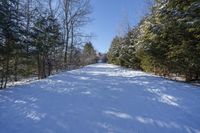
(123,52)
(165,42)
(102,58)
(89,55)
(40,37)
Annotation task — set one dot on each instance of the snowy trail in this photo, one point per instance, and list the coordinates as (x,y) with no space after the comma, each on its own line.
(101,98)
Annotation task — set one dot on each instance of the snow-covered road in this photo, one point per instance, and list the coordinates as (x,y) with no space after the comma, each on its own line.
(101,98)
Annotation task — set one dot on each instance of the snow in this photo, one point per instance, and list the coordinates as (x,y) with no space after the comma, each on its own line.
(118,114)
(22,81)
(101,98)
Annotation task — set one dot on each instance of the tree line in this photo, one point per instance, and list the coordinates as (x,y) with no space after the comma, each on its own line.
(165,42)
(38,38)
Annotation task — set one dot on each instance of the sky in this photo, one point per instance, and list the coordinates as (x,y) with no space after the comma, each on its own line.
(108,15)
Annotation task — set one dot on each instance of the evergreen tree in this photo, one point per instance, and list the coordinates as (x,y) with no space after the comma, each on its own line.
(123,52)
(184,53)
(165,42)
(32,41)
(114,51)
(47,40)
(10,37)
(89,54)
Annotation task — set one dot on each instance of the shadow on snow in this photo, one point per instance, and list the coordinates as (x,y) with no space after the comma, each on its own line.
(101,98)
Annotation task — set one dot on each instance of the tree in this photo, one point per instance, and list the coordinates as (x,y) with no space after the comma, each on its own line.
(75,16)
(185,54)
(123,52)
(47,40)
(10,40)
(114,51)
(89,54)
(165,42)
(32,41)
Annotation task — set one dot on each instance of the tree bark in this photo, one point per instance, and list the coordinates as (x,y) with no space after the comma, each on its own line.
(72,42)
(39,66)
(16,69)
(7,70)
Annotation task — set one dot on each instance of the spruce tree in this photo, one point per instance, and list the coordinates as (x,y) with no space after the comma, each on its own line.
(10,37)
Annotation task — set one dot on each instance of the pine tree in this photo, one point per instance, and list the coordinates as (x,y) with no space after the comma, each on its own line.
(89,54)
(185,53)
(114,51)
(165,42)
(41,46)
(47,40)
(54,42)
(10,37)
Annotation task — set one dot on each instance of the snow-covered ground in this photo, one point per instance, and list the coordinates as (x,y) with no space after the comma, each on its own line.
(101,98)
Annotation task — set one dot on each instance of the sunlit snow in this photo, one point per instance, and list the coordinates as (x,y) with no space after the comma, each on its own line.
(101,98)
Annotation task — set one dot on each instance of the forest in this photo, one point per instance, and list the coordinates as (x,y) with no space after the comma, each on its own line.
(165,42)
(39,38)
(65,69)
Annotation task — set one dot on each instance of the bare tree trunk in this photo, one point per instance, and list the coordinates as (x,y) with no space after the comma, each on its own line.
(7,70)
(72,43)
(66,48)
(39,66)
(76,12)
(43,67)
(2,77)
(1,86)
(16,69)
(67,4)
(188,76)
(16,58)
(49,66)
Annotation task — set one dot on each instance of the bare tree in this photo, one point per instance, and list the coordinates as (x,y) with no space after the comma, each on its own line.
(75,16)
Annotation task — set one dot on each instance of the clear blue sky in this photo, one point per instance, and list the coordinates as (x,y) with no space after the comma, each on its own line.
(107,16)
